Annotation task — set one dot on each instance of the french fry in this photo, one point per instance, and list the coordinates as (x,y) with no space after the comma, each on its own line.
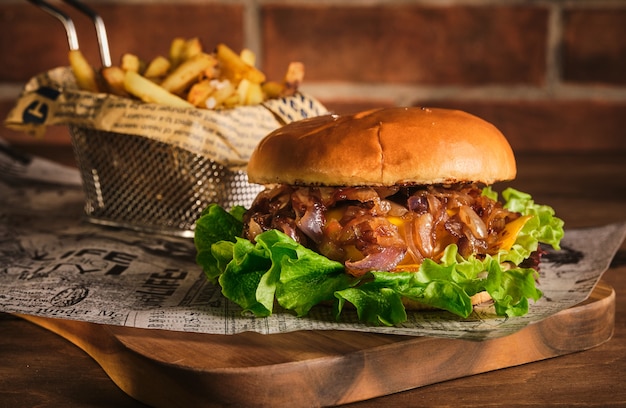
(213,71)
(293,78)
(148,91)
(130,62)
(235,69)
(232,101)
(248,57)
(114,80)
(273,89)
(157,68)
(224,91)
(255,94)
(189,77)
(295,73)
(250,93)
(184,75)
(192,48)
(200,92)
(83,71)
(242,90)
(290,84)
(177,50)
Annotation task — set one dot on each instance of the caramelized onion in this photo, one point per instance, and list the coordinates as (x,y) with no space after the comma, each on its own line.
(473,221)
(423,231)
(377,227)
(384,260)
(311,222)
(418,204)
(254,229)
(395,209)
(412,247)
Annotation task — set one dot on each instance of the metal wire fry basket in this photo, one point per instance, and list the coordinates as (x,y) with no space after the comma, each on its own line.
(135,182)
(138,183)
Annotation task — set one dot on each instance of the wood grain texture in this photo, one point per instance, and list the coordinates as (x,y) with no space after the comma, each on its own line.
(163,368)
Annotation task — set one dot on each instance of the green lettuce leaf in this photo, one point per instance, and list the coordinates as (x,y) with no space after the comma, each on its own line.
(375,303)
(214,225)
(298,278)
(544,226)
(242,276)
(277,269)
(448,285)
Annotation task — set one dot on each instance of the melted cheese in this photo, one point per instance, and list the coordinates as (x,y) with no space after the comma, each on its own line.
(511,231)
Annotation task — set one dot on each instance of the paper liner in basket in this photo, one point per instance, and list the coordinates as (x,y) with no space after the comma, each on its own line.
(226,136)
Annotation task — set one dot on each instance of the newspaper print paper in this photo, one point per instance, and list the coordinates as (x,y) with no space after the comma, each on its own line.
(54,264)
(227,136)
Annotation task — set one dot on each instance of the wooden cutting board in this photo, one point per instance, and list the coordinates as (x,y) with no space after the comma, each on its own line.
(317,368)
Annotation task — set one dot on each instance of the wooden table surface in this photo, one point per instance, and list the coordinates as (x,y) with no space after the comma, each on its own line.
(39,368)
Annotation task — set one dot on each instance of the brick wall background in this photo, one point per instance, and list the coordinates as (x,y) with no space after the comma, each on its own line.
(551,74)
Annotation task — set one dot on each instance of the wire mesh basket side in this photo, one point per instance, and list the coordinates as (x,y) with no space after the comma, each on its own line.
(135,182)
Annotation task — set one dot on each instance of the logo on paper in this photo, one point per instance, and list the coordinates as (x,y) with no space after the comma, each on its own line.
(37,111)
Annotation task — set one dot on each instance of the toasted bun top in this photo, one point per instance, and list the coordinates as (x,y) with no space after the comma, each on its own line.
(384,147)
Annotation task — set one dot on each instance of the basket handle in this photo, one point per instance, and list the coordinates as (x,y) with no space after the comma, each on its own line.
(70,29)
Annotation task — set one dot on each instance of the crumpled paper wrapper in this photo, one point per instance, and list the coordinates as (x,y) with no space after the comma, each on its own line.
(227,137)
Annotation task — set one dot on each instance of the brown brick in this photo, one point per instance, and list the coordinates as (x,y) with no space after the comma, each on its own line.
(31,41)
(464,45)
(594,46)
(552,125)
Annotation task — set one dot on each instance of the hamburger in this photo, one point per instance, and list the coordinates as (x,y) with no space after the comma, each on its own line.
(387,210)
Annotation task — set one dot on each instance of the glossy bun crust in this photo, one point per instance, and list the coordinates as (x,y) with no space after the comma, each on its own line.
(384,147)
